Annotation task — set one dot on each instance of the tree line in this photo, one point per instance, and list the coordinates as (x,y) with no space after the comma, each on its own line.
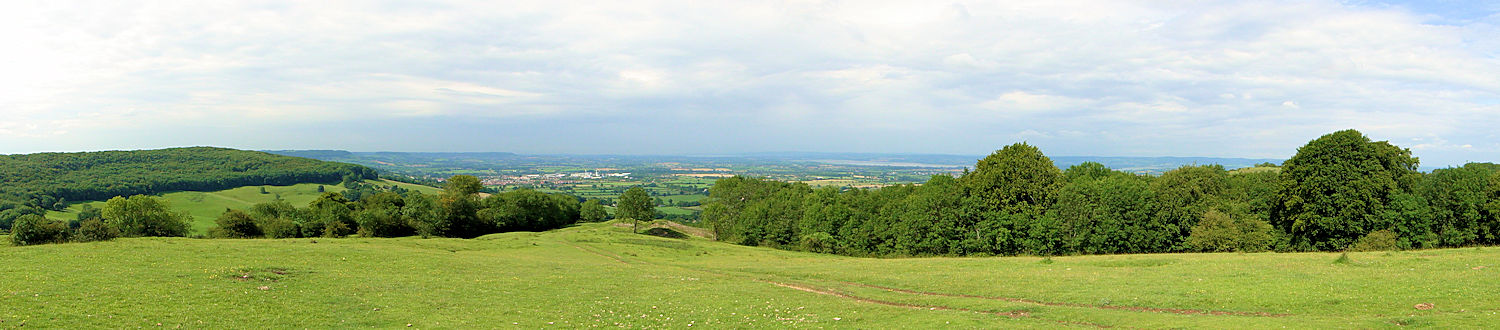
(35,183)
(458,211)
(1340,191)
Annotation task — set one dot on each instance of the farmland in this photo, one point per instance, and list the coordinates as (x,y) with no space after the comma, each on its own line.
(601,275)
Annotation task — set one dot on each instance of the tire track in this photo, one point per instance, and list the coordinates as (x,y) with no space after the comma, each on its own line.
(598,253)
(892,303)
(1061,304)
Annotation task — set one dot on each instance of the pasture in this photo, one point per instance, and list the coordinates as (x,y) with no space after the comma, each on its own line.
(205,206)
(601,275)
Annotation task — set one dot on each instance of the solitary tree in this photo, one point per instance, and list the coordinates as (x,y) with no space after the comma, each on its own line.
(636,205)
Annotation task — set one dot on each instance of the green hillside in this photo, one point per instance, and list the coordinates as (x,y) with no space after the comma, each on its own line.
(205,206)
(46,179)
(601,275)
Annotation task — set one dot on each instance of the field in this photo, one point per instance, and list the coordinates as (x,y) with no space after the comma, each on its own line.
(204,207)
(601,275)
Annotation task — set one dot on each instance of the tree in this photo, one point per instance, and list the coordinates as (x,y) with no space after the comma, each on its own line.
(1184,194)
(1336,188)
(1016,176)
(1458,198)
(463,185)
(236,224)
(592,211)
(636,205)
(1221,232)
(142,215)
(34,229)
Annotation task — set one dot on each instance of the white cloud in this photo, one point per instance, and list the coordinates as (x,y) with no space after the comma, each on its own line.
(1244,78)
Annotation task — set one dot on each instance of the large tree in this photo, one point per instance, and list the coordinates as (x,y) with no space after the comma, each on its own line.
(1335,189)
(636,206)
(1016,176)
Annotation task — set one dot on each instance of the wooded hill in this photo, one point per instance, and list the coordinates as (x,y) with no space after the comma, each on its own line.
(31,183)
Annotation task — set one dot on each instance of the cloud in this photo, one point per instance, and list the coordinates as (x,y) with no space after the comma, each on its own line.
(1076,77)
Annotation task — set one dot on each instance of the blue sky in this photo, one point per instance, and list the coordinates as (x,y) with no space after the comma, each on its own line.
(1103,78)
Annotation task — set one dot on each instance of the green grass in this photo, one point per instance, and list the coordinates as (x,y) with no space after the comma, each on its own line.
(600,275)
(204,207)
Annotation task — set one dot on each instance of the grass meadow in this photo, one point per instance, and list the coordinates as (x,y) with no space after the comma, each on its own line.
(602,275)
(205,206)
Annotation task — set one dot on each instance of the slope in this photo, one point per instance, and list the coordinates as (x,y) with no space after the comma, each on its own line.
(600,275)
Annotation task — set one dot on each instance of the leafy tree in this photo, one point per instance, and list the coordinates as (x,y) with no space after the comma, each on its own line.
(88,211)
(1337,187)
(1016,176)
(635,205)
(9,212)
(278,219)
(1184,194)
(95,230)
(329,215)
(1086,171)
(592,211)
(236,224)
(463,185)
(421,214)
(1222,232)
(142,215)
(34,229)
(1458,198)
(1115,214)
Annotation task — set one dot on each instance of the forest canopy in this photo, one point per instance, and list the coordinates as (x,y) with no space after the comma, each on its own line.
(34,183)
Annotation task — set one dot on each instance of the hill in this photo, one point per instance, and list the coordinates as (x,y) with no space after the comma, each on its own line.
(49,180)
(601,275)
(205,206)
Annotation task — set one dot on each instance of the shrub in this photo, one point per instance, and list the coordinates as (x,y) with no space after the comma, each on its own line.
(820,242)
(1379,240)
(95,230)
(33,229)
(236,224)
(142,215)
(336,229)
(279,227)
(382,223)
(1220,232)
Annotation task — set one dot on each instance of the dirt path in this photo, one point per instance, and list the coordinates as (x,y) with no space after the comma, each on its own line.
(891,303)
(598,253)
(1061,304)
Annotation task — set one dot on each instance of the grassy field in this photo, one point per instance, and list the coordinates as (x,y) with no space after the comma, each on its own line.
(204,207)
(601,275)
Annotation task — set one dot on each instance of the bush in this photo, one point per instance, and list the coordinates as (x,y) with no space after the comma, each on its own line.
(236,224)
(820,242)
(279,227)
(142,215)
(336,229)
(95,230)
(382,223)
(1220,232)
(33,229)
(1379,240)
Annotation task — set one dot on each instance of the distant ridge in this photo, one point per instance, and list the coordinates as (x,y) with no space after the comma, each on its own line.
(1144,165)
(47,180)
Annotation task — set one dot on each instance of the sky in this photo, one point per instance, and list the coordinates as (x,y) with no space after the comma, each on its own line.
(1253,79)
